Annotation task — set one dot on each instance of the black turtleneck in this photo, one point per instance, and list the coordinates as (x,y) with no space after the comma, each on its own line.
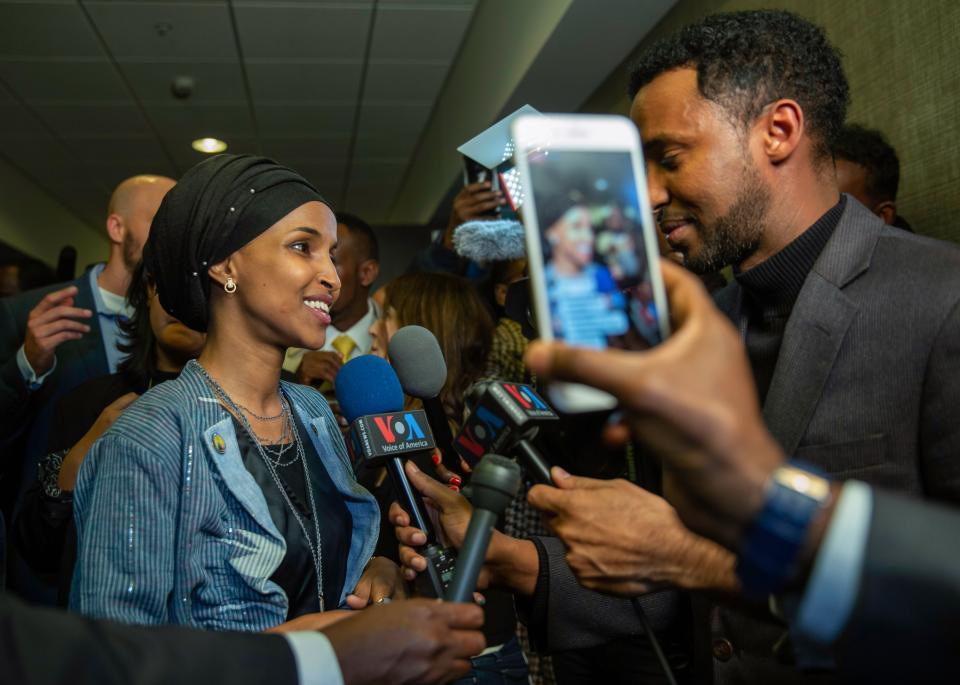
(770,290)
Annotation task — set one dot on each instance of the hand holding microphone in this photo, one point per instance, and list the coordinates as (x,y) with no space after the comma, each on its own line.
(510,563)
(496,482)
(383,433)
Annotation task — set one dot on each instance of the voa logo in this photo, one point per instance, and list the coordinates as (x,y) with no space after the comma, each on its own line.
(399,428)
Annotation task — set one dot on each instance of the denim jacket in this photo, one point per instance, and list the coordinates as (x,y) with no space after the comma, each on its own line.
(173,529)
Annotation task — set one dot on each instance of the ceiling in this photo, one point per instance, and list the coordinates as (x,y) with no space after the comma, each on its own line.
(367,98)
(341,91)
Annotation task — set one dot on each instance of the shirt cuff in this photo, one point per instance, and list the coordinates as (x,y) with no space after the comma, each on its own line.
(30,376)
(316,661)
(832,590)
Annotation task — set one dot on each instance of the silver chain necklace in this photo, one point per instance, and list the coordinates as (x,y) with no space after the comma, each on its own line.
(316,546)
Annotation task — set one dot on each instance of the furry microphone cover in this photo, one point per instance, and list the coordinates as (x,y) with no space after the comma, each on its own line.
(490,241)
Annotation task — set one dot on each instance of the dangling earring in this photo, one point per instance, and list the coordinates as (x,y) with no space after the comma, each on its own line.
(230,286)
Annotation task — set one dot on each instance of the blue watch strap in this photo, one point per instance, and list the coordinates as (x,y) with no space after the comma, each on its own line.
(767,558)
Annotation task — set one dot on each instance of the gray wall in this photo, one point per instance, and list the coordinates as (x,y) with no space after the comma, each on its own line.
(35,223)
(903,63)
(398,246)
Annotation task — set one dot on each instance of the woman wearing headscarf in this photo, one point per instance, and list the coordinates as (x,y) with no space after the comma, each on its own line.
(225,499)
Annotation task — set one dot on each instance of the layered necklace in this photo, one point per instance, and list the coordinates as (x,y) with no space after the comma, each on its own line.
(274,460)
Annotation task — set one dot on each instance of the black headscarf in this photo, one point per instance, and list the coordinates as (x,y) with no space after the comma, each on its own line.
(218,206)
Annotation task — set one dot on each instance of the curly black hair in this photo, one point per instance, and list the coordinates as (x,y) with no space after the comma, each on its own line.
(746,60)
(868,148)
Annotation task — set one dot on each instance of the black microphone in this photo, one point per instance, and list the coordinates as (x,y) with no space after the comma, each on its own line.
(416,357)
(495,483)
(382,433)
(504,419)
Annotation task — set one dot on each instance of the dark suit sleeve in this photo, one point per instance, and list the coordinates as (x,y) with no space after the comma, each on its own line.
(909,597)
(47,647)
(940,414)
(564,615)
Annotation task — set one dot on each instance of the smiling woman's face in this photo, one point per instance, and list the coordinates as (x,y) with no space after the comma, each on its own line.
(286,279)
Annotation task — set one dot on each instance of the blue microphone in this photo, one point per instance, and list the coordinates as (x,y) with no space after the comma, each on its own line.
(382,432)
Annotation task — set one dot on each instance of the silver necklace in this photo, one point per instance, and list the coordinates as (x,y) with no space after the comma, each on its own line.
(315,546)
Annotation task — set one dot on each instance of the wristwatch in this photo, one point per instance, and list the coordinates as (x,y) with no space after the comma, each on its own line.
(767,558)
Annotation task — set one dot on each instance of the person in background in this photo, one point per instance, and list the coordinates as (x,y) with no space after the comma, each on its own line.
(157,347)
(53,339)
(23,274)
(473,201)
(868,169)
(358,265)
(247,513)
(505,361)
(450,308)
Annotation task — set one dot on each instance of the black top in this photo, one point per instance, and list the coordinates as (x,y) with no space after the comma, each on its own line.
(770,290)
(43,528)
(296,574)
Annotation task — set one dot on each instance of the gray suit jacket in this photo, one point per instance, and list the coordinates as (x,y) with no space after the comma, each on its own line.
(866,386)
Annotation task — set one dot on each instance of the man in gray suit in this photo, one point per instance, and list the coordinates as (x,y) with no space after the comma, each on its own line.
(852,328)
(874,576)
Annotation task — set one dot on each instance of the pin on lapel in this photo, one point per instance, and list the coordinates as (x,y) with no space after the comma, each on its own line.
(219,444)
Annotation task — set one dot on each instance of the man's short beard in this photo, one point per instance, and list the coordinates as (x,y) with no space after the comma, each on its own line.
(736,235)
(131,251)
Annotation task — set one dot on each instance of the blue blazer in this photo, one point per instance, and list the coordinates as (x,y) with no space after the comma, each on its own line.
(173,531)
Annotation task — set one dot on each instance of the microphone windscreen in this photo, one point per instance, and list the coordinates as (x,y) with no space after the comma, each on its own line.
(418,360)
(490,241)
(367,385)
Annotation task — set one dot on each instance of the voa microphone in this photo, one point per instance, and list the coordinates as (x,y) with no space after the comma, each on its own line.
(418,360)
(504,419)
(383,433)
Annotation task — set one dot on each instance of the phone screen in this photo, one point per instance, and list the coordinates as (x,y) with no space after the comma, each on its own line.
(598,280)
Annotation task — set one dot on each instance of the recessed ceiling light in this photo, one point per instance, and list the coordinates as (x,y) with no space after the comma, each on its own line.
(208,145)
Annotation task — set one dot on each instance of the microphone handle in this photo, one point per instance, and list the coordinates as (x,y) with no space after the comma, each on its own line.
(410,499)
(471,556)
(437,417)
(534,463)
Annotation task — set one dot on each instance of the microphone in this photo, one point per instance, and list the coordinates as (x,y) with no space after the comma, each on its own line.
(416,356)
(496,481)
(505,418)
(485,241)
(383,433)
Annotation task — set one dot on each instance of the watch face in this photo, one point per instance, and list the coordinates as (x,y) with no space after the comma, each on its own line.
(803,482)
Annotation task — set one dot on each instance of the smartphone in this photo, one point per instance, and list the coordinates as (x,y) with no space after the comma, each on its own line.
(591,240)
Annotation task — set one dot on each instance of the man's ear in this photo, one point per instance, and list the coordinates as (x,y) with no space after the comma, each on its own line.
(887,211)
(369,270)
(782,127)
(220,271)
(116,229)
